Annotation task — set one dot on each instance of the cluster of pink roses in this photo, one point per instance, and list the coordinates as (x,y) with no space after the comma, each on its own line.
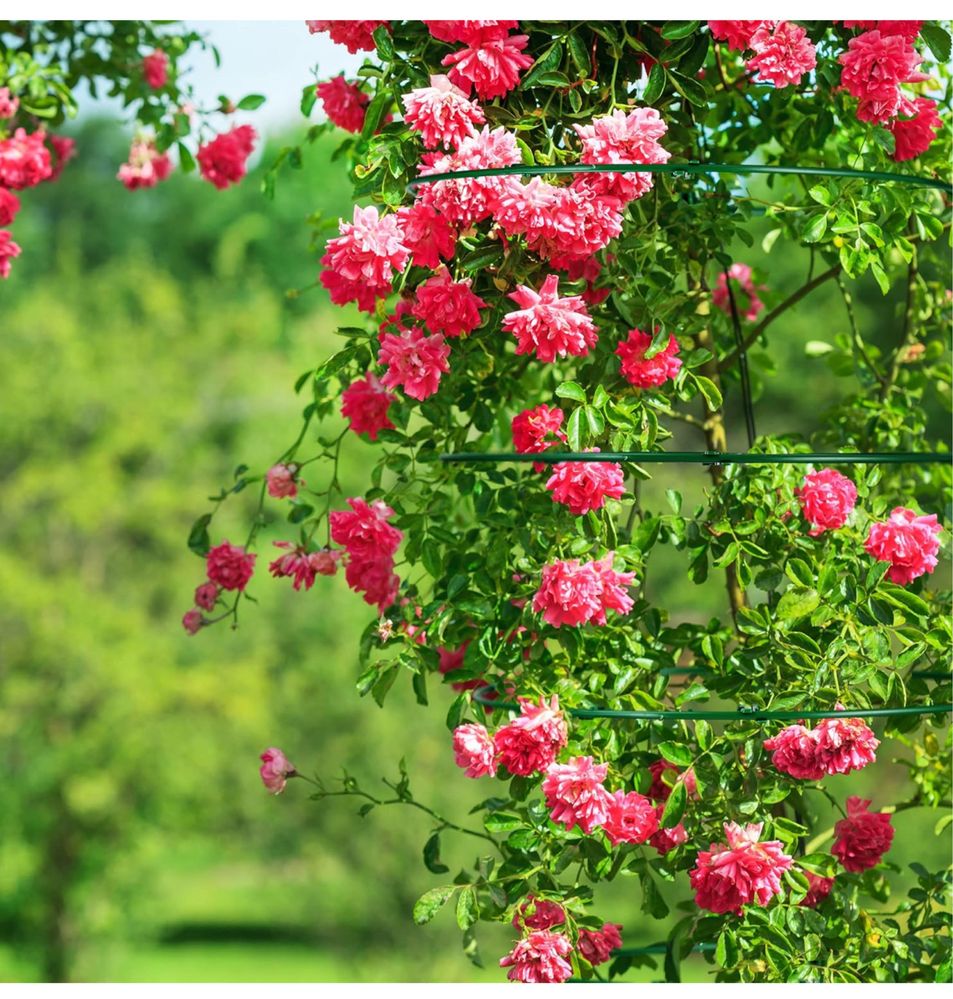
(227,567)
(586,485)
(575,791)
(541,955)
(908,541)
(370,542)
(835,746)
(25,161)
(573,593)
(876,63)
(566,225)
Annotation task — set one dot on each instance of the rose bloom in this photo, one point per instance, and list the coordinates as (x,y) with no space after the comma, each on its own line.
(375,579)
(275,769)
(572,593)
(464,202)
(538,914)
(622,137)
(582,223)
(344,103)
(145,167)
(24,160)
(874,66)
(427,234)
(474,751)
(914,135)
(364,404)
(665,840)
(539,958)
(230,566)
(632,818)
(536,430)
(9,206)
(9,250)
(596,946)
(441,113)
(526,208)
(283,481)
(358,36)
(647,373)
(364,531)
(820,889)
(827,499)
(794,752)
(192,620)
(586,485)
(736,33)
(575,794)
(358,264)
(222,161)
(726,877)
(844,744)
(8,103)
(155,68)
(744,291)
(466,31)
(300,564)
(548,325)
(907,541)
(206,595)
(491,63)
(414,361)
(861,839)
(529,744)
(782,53)
(447,306)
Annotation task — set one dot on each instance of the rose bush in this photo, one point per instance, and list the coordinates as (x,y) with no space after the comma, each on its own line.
(633,316)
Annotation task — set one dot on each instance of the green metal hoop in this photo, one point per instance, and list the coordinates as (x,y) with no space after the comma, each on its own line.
(686,169)
(752,714)
(707,457)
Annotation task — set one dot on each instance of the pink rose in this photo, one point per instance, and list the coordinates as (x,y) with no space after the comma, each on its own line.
(275,769)
(474,751)
(863,837)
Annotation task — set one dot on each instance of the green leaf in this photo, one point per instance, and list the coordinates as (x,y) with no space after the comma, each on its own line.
(938,39)
(466,908)
(574,429)
(186,160)
(383,685)
(571,390)
(675,806)
(198,535)
(655,85)
(703,734)
(384,43)
(813,230)
(308,97)
(502,822)
(797,603)
(432,855)
(547,62)
(906,600)
(799,571)
(821,195)
(578,54)
(375,112)
(679,29)
(726,950)
(693,91)
(251,103)
(676,753)
(299,512)
(431,902)
(710,391)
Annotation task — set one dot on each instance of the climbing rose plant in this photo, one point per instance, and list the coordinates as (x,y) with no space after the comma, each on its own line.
(598,311)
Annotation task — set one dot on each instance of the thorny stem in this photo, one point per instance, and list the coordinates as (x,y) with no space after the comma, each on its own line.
(856,338)
(358,793)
